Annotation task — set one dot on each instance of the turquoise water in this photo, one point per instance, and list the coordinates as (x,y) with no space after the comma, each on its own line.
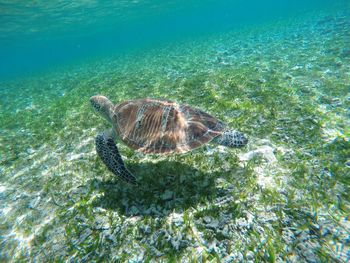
(275,70)
(37,35)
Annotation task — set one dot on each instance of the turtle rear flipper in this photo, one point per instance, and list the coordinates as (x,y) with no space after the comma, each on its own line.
(231,138)
(108,152)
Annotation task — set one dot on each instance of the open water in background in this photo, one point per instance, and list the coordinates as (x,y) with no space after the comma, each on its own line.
(36,35)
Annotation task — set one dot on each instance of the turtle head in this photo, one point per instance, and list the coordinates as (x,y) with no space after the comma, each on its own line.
(102,105)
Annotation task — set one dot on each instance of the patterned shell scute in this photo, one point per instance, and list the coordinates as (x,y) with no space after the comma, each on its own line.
(163,126)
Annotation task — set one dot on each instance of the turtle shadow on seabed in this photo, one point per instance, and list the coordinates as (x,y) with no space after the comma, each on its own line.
(162,188)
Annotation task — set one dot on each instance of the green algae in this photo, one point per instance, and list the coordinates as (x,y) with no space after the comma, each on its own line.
(60,202)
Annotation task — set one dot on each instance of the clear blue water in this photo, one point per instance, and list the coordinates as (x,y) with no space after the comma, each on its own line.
(276,70)
(36,35)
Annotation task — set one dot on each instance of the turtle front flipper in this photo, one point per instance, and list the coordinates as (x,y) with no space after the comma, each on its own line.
(231,138)
(108,152)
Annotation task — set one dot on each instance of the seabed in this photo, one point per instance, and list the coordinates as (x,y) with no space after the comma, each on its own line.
(285,197)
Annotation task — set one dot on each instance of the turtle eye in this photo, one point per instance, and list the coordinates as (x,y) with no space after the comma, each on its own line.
(95,105)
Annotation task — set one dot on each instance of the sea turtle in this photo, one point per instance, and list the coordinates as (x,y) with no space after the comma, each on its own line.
(157,126)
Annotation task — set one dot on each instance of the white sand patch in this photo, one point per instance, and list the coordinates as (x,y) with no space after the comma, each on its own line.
(5,211)
(133,220)
(20,219)
(266,172)
(264,178)
(73,157)
(265,152)
(2,188)
(175,218)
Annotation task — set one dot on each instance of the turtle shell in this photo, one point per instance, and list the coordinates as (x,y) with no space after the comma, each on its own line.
(163,126)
